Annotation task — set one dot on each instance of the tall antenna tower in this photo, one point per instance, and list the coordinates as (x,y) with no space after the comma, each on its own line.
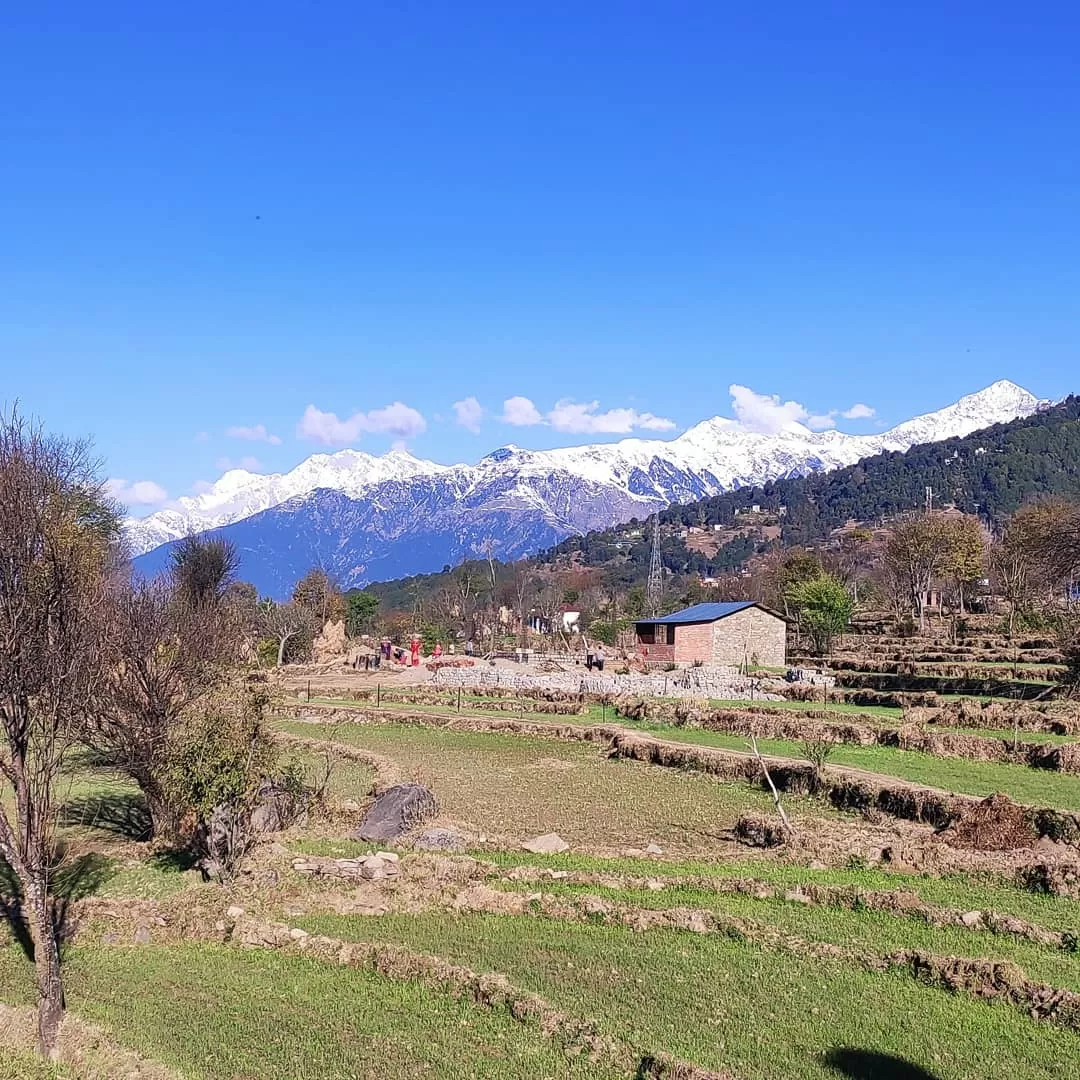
(655,592)
(929,499)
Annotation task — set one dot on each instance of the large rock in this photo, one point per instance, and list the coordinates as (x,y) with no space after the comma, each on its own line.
(548,844)
(397,810)
(277,808)
(441,840)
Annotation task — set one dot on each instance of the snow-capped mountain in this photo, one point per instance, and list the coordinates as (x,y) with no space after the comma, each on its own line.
(368,518)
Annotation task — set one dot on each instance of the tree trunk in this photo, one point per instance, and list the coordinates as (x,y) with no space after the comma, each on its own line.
(281,651)
(50,987)
(162,822)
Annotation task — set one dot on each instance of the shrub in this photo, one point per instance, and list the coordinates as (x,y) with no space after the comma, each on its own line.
(817,751)
(223,765)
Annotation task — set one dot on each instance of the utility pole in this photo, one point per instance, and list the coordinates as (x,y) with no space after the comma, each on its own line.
(655,592)
(929,499)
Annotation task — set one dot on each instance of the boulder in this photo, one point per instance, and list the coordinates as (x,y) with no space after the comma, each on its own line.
(278,807)
(548,844)
(440,840)
(396,810)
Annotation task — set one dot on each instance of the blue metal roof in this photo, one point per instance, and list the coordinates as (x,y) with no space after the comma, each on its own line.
(702,613)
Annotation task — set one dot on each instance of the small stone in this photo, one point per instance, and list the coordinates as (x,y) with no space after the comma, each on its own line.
(387,856)
(533,896)
(548,844)
(654,885)
(349,806)
(143,936)
(817,864)
(971,918)
(557,875)
(234,912)
(297,934)
(796,896)
(654,849)
(632,853)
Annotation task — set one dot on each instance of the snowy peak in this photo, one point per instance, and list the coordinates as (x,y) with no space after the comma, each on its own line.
(998,403)
(578,487)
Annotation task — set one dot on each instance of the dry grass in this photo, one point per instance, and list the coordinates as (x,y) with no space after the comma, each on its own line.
(512,787)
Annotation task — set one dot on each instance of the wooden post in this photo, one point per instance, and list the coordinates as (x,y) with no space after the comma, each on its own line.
(459,699)
(378,694)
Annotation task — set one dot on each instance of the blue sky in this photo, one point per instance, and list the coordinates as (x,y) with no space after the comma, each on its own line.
(216,216)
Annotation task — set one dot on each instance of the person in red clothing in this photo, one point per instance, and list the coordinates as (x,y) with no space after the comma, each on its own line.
(414,649)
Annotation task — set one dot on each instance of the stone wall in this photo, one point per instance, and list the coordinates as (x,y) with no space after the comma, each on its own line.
(710,682)
(751,634)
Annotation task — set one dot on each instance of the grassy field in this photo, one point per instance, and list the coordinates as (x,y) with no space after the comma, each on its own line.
(956,891)
(519,787)
(1022,783)
(870,931)
(218,1013)
(16,1066)
(726,1004)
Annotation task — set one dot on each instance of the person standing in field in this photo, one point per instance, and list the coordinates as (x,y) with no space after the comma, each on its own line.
(598,658)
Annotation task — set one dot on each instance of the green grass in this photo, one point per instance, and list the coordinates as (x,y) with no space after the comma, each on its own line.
(868,931)
(1037,787)
(728,1005)
(515,787)
(218,1013)
(27,1066)
(956,891)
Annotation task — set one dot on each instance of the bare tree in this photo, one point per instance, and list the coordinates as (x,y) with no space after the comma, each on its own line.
(916,554)
(283,622)
(166,655)
(58,539)
(317,594)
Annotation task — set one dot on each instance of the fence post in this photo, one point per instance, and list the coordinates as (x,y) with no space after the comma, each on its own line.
(309,689)
(378,695)
(459,699)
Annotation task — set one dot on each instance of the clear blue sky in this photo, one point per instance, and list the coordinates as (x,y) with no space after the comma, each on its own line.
(217,215)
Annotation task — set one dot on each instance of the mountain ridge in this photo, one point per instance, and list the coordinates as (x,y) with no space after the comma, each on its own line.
(389,516)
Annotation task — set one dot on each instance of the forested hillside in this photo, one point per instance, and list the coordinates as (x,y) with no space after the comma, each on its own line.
(990,473)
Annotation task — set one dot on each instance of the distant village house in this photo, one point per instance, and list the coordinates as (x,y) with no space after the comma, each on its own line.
(728,634)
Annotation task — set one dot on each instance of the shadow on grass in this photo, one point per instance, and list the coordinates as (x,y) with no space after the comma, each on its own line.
(71,881)
(871,1065)
(123,815)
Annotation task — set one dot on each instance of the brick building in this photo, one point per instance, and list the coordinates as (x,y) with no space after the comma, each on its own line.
(724,634)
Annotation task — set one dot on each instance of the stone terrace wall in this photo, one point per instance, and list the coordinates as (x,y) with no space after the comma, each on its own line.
(708,682)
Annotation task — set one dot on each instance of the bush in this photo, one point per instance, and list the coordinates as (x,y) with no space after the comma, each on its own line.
(817,751)
(224,764)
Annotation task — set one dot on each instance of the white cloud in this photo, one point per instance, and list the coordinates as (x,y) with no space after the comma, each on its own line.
(582,417)
(248,464)
(520,412)
(201,487)
(397,420)
(257,433)
(768,414)
(139,493)
(468,413)
(765,412)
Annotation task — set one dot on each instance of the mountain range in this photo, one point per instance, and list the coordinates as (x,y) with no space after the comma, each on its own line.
(364,518)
